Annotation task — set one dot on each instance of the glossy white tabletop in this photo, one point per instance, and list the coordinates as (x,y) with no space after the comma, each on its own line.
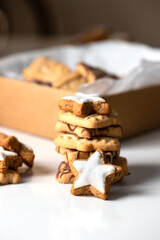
(40,208)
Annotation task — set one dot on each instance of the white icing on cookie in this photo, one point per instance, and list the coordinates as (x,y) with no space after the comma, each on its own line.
(81,97)
(4,153)
(92,172)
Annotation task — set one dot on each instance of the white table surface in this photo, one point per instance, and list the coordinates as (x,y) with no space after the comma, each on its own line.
(40,208)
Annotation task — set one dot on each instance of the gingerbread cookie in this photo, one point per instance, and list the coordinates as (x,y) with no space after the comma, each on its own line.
(12,144)
(64,174)
(9,159)
(27,155)
(110,131)
(84,104)
(11,177)
(93,73)
(72,154)
(91,121)
(87,145)
(94,176)
(3,166)
(72,82)
(90,73)
(45,70)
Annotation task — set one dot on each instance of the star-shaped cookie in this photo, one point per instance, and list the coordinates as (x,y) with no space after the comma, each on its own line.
(84,104)
(94,176)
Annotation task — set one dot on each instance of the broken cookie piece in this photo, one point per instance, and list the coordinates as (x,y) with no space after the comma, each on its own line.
(91,74)
(12,144)
(27,155)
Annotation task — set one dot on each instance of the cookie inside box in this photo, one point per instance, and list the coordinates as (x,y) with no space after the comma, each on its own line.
(32,107)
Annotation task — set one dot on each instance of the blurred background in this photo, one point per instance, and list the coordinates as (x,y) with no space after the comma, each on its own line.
(29,24)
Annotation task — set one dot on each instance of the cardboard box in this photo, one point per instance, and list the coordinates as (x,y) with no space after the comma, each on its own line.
(33,108)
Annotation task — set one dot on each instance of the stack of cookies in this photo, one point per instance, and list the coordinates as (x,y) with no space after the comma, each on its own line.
(89,132)
(12,154)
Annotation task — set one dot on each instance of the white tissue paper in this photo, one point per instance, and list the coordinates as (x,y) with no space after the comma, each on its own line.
(138,64)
